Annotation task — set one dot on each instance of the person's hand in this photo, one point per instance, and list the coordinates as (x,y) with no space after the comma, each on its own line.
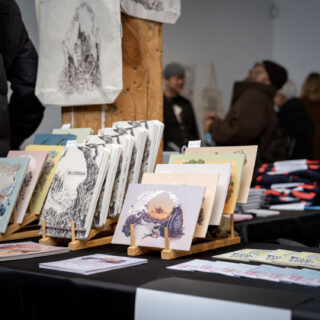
(208,121)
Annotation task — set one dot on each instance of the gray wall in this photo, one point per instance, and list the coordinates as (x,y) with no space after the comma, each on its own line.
(234,34)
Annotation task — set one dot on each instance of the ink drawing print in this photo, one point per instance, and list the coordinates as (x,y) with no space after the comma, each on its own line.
(12,172)
(151,208)
(82,53)
(167,11)
(72,191)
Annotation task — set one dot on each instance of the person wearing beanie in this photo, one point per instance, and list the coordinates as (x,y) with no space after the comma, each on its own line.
(178,115)
(295,121)
(251,119)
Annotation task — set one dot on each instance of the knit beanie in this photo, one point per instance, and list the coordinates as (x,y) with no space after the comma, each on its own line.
(277,74)
(173,69)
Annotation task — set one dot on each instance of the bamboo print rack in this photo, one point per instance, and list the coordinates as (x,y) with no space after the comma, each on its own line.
(16,231)
(97,237)
(169,254)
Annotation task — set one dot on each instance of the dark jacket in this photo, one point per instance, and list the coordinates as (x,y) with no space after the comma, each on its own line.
(251,120)
(297,124)
(178,131)
(18,65)
(313,109)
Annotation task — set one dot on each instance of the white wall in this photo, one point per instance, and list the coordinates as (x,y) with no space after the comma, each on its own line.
(296,37)
(234,33)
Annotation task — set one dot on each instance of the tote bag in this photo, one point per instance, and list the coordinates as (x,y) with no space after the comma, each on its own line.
(80,60)
(167,11)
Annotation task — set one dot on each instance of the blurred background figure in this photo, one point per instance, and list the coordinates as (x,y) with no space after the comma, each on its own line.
(18,65)
(295,121)
(251,118)
(310,96)
(178,115)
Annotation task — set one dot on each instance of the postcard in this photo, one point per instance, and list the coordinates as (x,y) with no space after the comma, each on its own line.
(250,154)
(210,181)
(224,171)
(151,208)
(53,139)
(12,173)
(46,176)
(236,160)
(36,163)
(26,250)
(92,264)
(80,133)
(75,190)
(242,255)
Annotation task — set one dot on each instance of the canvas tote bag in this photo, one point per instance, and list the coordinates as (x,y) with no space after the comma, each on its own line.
(80,60)
(211,99)
(167,11)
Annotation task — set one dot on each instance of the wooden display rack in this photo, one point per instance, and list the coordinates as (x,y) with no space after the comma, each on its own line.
(16,231)
(97,237)
(169,254)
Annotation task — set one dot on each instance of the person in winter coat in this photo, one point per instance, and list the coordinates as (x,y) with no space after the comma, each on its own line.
(295,121)
(18,65)
(251,118)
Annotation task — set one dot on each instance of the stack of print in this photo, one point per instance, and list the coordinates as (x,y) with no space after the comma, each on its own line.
(74,176)
(187,195)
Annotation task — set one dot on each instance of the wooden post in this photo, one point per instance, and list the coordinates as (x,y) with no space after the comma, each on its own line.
(142,96)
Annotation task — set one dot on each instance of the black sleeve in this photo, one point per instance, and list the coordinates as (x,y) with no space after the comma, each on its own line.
(21,60)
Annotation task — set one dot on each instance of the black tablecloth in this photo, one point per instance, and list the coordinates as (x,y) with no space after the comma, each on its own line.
(32,293)
(300,226)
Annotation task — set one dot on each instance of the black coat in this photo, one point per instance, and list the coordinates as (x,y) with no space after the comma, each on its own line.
(18,65)
(297,124)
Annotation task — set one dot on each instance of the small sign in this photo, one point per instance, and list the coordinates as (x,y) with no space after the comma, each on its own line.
(66,126)
(71,143)
(194,144)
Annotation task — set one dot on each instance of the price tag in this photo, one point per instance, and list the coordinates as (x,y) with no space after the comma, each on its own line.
(71,143)
(194,144)
(66,126)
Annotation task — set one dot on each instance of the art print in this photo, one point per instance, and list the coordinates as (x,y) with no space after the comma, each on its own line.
(74,191)
(250,154)
(12,172)
(151,208)
(36,162)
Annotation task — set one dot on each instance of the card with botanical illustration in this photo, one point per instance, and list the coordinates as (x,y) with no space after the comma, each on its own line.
(46,176)
(12,172)
(209,180)
(224,171)
(51,139)
(80,133)
(250,154)
(166,11)
(151,208)
(36,163)
(107,198)
(75,190)
(110,136)
(236,161)
(140,135)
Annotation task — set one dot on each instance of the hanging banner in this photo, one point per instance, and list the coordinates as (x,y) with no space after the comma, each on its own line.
(167,11)
(80,59)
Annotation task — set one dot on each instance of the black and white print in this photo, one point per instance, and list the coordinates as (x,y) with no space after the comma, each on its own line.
(167,11)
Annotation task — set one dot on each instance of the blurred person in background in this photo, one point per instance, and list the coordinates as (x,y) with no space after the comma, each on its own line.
(178,115)
(18,65)
(251,119)
(295,121)
(310,96)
